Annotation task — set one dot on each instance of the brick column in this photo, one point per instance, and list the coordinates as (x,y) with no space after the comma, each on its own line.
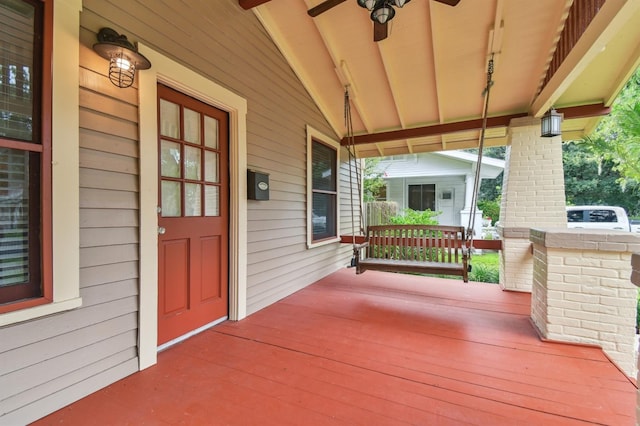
(532,196)
(635,279)
(581,290)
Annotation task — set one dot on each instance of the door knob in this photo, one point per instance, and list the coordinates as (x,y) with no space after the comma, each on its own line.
(161,230)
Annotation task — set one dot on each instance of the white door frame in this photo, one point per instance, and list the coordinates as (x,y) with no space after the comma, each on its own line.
(171,73)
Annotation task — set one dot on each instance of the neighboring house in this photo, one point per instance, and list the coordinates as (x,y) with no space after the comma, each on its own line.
(439,181)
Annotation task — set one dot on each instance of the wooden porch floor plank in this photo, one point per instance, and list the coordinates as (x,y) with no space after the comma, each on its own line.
(460,383)
(389,396)
(438,345)
(484,324)
(377,348)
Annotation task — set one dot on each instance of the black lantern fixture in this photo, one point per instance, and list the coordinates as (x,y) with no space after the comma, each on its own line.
(382,11)
(123,57)
(550,124)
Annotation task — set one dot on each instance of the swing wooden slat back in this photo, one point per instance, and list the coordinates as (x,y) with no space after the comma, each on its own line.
(428,249)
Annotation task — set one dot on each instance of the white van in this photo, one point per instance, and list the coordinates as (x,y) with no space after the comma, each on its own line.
(598,217)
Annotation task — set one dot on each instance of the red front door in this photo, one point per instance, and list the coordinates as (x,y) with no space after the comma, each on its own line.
(193,215)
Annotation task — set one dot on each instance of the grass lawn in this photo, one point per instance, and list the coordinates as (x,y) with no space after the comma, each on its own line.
(485,268)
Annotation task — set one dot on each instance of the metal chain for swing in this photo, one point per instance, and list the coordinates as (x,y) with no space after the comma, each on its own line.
(354,168)
(476,183)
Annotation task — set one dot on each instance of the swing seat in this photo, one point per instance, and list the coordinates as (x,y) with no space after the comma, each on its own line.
(423,249)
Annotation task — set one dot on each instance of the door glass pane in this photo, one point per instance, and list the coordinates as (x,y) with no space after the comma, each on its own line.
(171,198)
(210,166)
(192,163)
(191,126)
(211,132)
(170,159)
(211,201)
(192,199)
(169,119)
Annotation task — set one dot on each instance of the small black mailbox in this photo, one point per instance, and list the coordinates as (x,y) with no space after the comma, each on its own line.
(257,185)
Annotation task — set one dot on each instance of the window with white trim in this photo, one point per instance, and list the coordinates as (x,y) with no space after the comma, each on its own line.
(39,149)
(25,158)
(323,159)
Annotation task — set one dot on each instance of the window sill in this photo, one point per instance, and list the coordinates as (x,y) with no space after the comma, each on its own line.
(39,311)
(323,242)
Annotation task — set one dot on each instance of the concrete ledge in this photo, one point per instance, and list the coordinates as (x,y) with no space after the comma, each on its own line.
(513,232)
(586,239)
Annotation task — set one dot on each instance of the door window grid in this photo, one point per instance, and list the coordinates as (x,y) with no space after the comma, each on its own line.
(183,158)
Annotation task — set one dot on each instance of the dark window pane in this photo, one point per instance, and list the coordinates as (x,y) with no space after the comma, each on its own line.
(325,194)
(324,216)
(17,20)
(422,197)
(602,216)
(323,167)
(575,215)
(415,197)
(19,218)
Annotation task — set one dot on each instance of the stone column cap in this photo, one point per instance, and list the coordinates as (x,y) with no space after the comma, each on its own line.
(586,239)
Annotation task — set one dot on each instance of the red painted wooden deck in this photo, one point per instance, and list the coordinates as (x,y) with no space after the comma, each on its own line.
(373,349)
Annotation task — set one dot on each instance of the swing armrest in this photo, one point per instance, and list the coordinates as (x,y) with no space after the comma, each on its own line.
(357,248)
(361,246)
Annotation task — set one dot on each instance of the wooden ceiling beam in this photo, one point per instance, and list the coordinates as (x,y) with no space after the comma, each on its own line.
(584,111)
(250,4)
(436,129)
(581,111)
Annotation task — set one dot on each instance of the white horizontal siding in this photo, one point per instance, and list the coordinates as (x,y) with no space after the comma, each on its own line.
(227,44)
(49,362)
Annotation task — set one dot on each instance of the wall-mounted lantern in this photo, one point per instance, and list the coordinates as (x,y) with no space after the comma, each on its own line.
(123,57)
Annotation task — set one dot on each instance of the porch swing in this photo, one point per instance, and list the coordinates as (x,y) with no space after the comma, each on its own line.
(425,249)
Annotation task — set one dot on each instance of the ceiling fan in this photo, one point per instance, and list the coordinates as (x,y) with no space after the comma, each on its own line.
(381,12)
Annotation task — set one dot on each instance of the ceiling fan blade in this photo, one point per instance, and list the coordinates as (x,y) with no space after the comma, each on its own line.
(449,2)
(323,7)
(380,31)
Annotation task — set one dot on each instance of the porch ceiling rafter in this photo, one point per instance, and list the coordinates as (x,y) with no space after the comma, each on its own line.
(438,72)
(343,74)
(385,58)
(250,4)
(607,23)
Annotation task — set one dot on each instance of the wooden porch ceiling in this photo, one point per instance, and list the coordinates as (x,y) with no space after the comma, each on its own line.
(409,91)
(376,348)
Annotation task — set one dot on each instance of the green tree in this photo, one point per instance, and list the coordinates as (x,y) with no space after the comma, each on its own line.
(491,189)
(590,179)
(373,184)
(617,137)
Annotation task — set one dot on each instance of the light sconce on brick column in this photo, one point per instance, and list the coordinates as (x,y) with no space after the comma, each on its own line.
(550,124)
(123,57)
